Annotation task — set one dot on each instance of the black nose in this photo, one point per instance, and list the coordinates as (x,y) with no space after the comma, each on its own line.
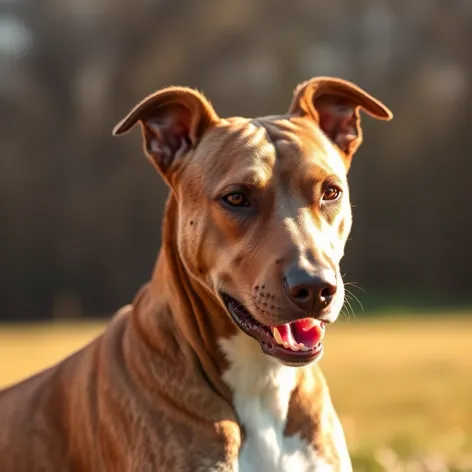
(310,292)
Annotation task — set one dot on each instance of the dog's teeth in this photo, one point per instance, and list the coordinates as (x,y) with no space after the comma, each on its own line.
(291,345)
(277,337)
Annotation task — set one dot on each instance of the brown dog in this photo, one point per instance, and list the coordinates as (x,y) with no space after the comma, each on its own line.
(212,367)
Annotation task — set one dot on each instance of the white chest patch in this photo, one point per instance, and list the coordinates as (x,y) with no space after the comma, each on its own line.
(262,388)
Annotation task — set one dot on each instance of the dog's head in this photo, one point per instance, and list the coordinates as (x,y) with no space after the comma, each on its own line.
(263,204)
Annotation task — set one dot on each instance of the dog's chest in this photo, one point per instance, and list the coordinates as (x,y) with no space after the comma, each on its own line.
(261,393)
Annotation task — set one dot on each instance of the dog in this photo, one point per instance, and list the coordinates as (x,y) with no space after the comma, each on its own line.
(213,366)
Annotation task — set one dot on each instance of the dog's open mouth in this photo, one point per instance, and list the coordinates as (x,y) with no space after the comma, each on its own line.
(296,343)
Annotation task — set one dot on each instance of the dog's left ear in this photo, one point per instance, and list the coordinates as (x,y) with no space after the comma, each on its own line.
(335,104)
(173,120)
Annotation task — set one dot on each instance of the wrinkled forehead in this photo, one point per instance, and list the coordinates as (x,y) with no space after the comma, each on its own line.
(255,151)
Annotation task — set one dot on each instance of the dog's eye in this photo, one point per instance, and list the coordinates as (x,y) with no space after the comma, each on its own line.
(236,200)
(331,193)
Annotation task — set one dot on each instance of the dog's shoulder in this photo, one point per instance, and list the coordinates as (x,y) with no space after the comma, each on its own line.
(34,426)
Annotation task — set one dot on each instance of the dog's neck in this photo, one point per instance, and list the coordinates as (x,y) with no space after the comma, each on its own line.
(174,297)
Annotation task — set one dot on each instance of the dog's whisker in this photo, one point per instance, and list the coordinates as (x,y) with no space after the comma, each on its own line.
(346,315)
(355,298)
(353,317)
(346,310)
(354,285)
(358,301)
(349,307)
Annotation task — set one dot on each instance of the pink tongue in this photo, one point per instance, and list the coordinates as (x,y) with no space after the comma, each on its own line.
(307,331)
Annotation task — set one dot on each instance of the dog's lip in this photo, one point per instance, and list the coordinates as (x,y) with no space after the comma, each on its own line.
(263,333)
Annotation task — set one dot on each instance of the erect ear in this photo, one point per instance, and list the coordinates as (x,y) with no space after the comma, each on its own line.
(172,120)
(335,105)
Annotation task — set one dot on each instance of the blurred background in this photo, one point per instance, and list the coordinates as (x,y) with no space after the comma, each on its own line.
(80,211)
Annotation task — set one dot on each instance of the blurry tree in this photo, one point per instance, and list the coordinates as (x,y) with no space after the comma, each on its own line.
(80,211)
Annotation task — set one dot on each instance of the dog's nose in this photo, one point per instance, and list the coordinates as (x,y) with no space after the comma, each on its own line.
(310,292)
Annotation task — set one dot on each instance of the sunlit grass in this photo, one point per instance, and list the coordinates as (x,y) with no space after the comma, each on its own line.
(26,349)
(403,386)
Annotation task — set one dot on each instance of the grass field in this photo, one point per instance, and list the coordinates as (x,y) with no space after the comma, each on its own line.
(403,386)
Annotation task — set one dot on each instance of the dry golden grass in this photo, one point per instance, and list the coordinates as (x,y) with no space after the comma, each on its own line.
(402,385)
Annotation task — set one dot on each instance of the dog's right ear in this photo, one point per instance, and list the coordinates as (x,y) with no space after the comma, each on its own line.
(173,120)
